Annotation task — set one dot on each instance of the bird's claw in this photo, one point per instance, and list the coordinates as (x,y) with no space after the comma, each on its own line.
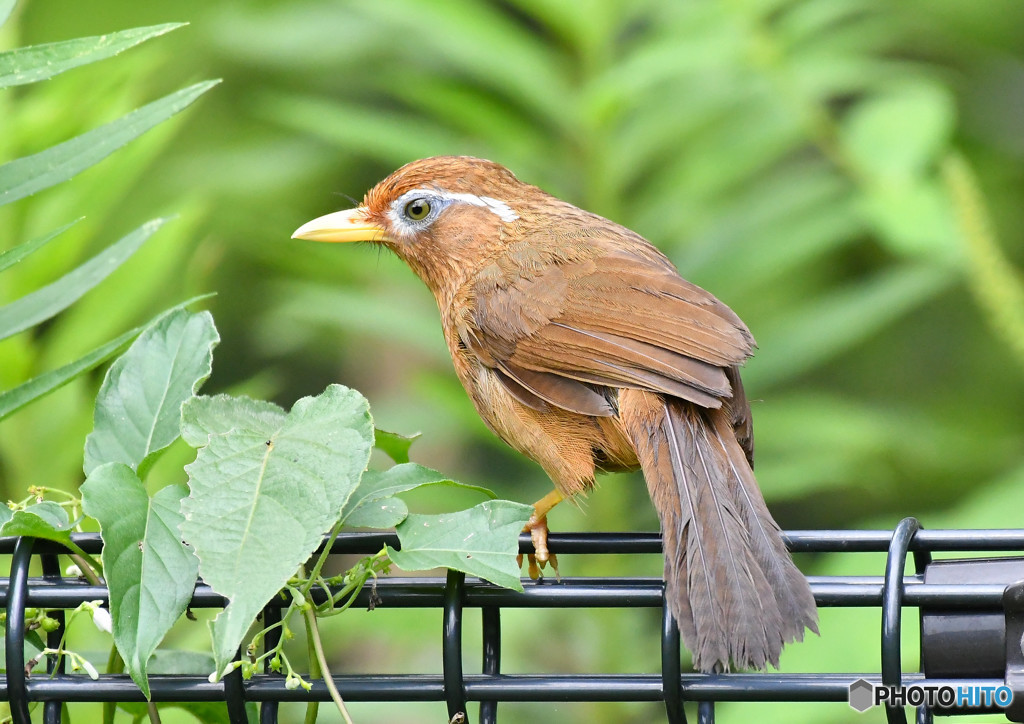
(537,527)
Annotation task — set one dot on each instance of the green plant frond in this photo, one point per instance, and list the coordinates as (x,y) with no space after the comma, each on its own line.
(394,137)
(39,62)
(25,176)
(12,256)
(18,397)
(44,303)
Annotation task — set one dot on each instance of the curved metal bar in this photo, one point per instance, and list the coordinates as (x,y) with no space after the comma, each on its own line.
(671,671)
(491,620)
(234,695)
(451,646)
(17,689)
(892,602)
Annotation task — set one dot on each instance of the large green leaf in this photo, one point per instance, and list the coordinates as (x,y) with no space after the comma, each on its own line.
(897,134)
(138,409)
(482,541)
(12,256)
(204,417)
(38,62)
(44,303)
(264,491)
(25,176)
(374,505)
(45,519)
(150,574)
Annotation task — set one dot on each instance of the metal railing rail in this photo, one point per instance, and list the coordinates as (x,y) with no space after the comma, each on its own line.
(892,592)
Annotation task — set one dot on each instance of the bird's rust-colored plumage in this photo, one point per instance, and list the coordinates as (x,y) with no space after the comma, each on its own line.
(582,347)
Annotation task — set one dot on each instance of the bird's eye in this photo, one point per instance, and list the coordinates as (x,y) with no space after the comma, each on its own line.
(417,209)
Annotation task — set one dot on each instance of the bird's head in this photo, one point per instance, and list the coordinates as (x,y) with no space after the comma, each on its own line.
(440,215)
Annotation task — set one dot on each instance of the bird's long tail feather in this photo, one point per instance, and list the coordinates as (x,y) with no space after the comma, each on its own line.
(731,584)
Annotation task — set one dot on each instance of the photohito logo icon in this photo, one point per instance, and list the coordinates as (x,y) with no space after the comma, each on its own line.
(864,695)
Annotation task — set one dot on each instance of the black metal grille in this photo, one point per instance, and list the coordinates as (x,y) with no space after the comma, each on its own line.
(891,592)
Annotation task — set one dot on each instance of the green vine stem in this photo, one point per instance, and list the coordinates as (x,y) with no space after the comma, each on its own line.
(115,665)
(313,632)
(313,707)
(996,285)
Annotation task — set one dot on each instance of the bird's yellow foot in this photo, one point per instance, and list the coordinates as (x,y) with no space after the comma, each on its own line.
(537,527)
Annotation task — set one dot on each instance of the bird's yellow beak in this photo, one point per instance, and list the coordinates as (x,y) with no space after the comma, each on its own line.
(350,225)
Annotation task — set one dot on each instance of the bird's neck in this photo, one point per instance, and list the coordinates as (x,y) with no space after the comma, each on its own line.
(444,273)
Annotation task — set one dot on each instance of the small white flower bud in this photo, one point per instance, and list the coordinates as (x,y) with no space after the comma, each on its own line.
(101,617)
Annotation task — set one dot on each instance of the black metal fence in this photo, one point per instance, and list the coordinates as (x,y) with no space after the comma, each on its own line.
(988,655)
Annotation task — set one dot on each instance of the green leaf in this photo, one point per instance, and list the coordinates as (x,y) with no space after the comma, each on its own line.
(5,514)
(25,176)
(178,661)
(481,541)
(42,520)
(17,397)
(219,415)
(44,303)
(150,574)
(373,504)
(378,513)
(41,385)
(897,134)
(12,256)
(390,134)
(914,219)
(38,62)
(265,491)
(6,7)
(393,445)
(138,409)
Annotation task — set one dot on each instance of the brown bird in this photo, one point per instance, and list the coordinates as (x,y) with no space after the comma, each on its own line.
(582,347)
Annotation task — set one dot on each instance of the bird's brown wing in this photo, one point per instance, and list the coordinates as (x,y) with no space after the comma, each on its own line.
(739,415)
(560,331)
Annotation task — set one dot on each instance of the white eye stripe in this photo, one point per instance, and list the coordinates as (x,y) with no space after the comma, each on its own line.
(497,207)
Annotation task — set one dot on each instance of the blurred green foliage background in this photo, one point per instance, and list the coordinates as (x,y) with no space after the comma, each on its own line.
(848,175)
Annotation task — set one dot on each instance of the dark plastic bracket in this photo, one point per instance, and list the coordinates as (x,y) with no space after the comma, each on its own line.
(1013,610)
